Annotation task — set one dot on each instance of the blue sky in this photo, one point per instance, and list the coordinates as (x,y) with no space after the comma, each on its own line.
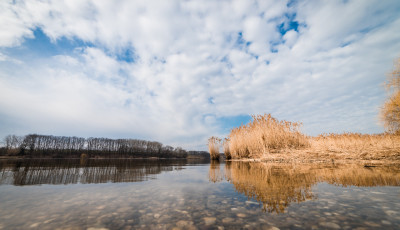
(181,71)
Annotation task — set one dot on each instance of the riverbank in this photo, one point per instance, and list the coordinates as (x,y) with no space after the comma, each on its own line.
(312,156)
(267,139)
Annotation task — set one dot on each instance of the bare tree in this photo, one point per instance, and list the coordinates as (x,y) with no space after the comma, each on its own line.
(36,145)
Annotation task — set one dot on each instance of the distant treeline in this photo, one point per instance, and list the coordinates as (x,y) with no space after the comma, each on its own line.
(35,146)
(198,154)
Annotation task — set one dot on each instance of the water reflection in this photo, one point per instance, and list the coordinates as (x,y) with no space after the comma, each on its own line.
(84,171)
(189,198)
(276,186)
(215,174)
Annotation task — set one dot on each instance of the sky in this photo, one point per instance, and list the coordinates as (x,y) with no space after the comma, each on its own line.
(179,72)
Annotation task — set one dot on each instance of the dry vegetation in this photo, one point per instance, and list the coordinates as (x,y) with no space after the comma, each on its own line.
(263,135)
(213,147)
(269,139)
(227,150)
(357,146)
(390,112)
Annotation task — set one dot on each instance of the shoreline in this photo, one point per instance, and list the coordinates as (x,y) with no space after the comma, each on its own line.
(316,161)
(305,156)
(91,158)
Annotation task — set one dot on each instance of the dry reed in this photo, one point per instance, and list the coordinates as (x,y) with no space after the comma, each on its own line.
(357,146)
(263,135)
(269,139)
(227,151)
(213,147)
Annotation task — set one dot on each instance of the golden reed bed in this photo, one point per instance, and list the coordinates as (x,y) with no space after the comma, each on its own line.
(268,139)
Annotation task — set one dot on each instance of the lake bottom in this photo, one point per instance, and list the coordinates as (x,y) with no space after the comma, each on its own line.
(190,195)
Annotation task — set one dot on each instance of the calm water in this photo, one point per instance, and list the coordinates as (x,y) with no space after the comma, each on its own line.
(181,194)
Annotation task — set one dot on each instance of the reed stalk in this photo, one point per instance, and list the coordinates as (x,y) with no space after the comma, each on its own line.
(213,147)
(265,134)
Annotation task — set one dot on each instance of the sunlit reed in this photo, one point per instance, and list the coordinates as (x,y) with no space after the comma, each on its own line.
(357,146)
(227,151)
(213,147)
(267,138)
(263,135)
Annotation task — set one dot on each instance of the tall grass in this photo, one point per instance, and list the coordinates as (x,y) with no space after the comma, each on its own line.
(213,147)
(357,145)
(263,135)
(227,150)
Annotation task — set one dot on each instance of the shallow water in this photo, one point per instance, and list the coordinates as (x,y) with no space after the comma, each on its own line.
(182,194)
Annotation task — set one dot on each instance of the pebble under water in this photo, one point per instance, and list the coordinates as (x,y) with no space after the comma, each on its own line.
(196,194)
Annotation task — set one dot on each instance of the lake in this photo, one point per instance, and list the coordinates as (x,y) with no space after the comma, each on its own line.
(196,194)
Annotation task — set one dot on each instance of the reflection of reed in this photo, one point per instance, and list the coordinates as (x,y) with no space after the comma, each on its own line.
(358,175)
(278,185)
(273,186)
(215,174)
(31,172)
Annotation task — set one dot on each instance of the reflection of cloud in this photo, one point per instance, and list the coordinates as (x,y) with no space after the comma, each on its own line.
(276,186)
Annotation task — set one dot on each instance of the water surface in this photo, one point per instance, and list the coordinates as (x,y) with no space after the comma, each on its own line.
(183,194)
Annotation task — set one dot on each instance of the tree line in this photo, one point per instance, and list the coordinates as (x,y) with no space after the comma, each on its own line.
(35,145)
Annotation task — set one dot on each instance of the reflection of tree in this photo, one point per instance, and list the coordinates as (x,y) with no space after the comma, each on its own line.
(278,185)
(36,171)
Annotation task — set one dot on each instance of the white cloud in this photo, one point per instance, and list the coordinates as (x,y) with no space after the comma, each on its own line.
(12,28)
(190,69)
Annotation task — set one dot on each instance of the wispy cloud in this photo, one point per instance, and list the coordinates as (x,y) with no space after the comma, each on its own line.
(181,71)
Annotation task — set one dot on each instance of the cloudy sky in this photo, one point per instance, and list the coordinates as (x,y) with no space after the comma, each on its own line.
(181,71)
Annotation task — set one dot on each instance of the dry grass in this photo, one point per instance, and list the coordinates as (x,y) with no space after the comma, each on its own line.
(227,150)
(263,135)
(269,139)
(213,147)
(357,146)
